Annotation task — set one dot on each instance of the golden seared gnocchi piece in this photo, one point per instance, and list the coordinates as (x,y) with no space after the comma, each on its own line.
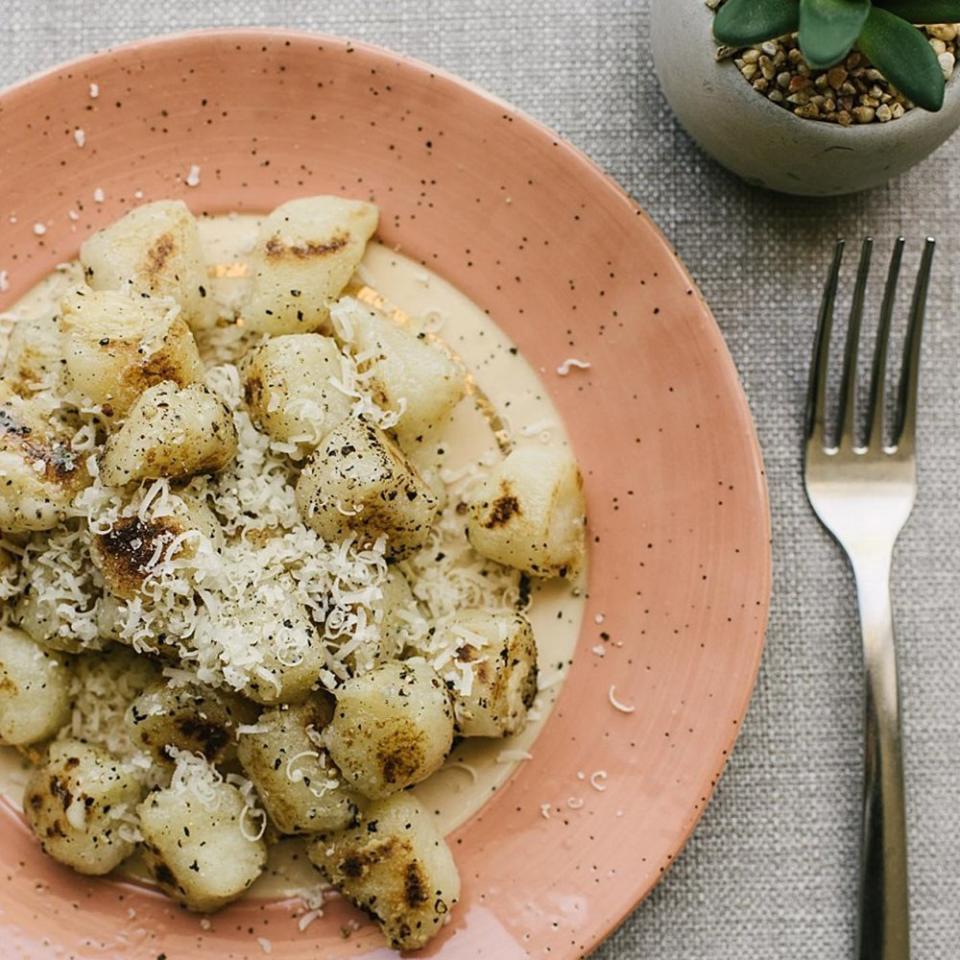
(154,250)
(131,551)
(397,607)
(287,655)
(392,727)
(116,345)
(408,373)
(9,574)
(39,472)
(34,357)
(287,385)
(530,513)
(359,482)
(53,623)
(396,867)
(200,840)
(295,778)
(306,252)
(190,717)
(34,689)
(170,432)
(75,803)
(502,654)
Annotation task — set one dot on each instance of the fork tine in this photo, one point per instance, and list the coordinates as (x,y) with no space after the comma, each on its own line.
(909,377)
(817,391)
(878,374)
(848,387)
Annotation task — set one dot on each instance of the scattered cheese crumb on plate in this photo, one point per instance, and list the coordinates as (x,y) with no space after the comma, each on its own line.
(614,702)
(571,362)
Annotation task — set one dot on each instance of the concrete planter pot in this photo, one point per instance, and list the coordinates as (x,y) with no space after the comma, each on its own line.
(765,144)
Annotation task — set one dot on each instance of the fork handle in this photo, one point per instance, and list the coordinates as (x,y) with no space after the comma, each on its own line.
(884,920)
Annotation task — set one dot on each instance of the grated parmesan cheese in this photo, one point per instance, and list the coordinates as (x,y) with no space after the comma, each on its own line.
(564,369)
(622,707)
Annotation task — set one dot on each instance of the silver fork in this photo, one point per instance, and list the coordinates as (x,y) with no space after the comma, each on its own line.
(863,494)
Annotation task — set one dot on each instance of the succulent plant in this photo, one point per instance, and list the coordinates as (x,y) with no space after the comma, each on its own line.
(883,30)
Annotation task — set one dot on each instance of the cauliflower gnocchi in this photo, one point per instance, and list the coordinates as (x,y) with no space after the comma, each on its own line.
(40,471)
(503,653)
(396,867)
(529,513)
(392,727)
(129,552)
(359,481)
(290,384)
(306,252)
(197,843)
(189,717)
(408,373)
(170,433)
(301,789)
(155,251)
(34,689)
(76,801)
(116,346)
(34,359)
(255,585)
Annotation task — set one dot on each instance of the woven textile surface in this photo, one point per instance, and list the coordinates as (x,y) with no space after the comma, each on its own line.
(771,870)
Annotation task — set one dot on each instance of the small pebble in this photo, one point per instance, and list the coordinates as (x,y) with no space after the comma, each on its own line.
(848,93)
(943,31)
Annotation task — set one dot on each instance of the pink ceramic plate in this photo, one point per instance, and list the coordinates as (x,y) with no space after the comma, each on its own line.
(568,266)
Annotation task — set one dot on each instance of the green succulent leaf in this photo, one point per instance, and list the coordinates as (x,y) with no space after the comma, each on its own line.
(739,23)
(923,11)
(903,55)
(829,29)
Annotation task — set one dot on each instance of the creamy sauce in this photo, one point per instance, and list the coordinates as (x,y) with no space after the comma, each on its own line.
(518,410)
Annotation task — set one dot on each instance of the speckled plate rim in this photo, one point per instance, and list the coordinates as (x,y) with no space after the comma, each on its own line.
(610,913)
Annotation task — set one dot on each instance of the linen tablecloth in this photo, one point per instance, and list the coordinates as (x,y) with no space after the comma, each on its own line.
(771,870)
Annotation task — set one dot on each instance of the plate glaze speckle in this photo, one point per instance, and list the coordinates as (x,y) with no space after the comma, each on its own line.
(569,267)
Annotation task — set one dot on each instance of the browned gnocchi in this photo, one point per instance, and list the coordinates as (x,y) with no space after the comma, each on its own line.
(254,585)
